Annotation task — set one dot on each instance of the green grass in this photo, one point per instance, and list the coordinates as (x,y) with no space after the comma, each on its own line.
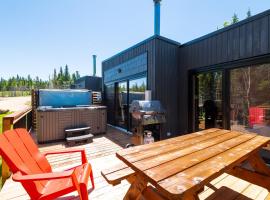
(14,93)
(1,121)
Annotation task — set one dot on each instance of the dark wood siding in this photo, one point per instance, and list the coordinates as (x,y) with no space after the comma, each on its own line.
(162,75)
(239,41)
(148,46)
(166,84)
(109,96)
(246,40)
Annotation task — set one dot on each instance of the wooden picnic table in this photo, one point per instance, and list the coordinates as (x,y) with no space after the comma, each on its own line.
(180,167)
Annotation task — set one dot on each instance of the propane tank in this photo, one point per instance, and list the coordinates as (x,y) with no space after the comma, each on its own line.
(148,138)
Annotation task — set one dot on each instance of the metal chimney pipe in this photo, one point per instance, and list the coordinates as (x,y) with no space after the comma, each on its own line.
(94,65)
(157,17)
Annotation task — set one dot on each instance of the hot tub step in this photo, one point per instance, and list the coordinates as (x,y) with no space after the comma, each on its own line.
(81,138)
(77,131)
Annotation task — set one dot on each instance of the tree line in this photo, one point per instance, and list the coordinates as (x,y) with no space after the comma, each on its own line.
(235,19)
(62,79)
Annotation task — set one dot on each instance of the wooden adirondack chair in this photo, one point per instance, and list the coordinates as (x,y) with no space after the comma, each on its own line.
(33,171)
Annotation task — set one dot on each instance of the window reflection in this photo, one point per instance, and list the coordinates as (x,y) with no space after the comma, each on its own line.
(121,105)
(208,100)
(137,89)
(250,99)
(110,93)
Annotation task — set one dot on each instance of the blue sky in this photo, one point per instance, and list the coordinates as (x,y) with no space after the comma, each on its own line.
(38,36)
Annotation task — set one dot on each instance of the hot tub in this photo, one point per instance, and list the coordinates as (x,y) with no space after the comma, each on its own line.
(52,122)
(66,109)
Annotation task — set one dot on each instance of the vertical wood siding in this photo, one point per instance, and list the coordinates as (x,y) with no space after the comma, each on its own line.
(161,76)
(166,84)
(246,39)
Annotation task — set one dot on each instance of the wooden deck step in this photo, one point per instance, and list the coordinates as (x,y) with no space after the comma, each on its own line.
(73,130)
(75,135)
(74,139)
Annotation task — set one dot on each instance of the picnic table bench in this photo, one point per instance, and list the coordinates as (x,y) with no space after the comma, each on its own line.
(179,168)
(120,172)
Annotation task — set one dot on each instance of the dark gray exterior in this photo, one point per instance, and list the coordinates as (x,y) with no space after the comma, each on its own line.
(243,43)
(245,39)
(92,83)
(170,64)
(162,63)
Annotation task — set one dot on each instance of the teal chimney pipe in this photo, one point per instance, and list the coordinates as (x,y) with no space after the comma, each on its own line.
(94,65)
(157,17)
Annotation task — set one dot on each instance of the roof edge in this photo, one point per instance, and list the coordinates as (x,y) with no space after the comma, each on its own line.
(240,23)
(143,42)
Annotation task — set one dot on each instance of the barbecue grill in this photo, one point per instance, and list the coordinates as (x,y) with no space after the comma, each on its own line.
(146,116)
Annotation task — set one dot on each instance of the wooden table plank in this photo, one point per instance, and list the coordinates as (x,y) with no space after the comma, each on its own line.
(141,148)
(117,176)
(168,146)
(185,162)
(173,155)
(194,177)
(114,168)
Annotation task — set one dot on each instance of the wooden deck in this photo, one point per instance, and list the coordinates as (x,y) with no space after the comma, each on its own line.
(101,154)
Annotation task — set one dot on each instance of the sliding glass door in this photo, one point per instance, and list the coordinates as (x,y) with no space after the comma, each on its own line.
(137,89)
(250,99)
(208,101)
(232,98)
(109,90)
(126,92)
(122,104)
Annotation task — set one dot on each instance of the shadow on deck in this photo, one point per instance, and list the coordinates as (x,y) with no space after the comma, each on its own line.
(101,154)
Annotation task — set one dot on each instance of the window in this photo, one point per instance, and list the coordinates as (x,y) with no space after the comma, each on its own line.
(137,89)
(208,100)
(250,99)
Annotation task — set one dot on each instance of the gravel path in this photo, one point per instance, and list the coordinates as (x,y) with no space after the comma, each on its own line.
(14,103)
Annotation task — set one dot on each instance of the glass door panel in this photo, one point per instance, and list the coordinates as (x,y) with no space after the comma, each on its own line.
(250,99)
(110,99)
(208,100)
(122,105)
(137,89)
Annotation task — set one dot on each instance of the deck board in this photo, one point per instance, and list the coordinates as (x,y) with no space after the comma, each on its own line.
(101,154)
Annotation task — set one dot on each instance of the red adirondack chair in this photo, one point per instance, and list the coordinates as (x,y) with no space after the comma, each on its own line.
(33,171)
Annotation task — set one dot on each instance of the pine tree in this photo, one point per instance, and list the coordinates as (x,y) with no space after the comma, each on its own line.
(66,74)
(60,78)
(54,79)
(73,78)
(235,18)
(248,13)
(77,75)
(60,75)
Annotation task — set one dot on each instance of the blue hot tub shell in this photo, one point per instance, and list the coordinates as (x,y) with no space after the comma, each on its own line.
(64,98)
